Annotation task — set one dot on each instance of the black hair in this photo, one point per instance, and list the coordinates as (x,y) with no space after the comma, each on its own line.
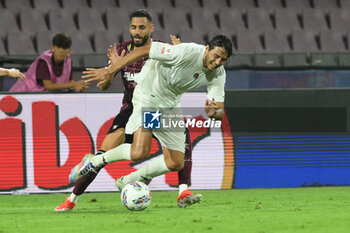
(221,41)
(62,40)
(140,14)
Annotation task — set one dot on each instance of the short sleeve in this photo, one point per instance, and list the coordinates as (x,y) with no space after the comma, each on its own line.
(216,87)
(42,72)
(166,53)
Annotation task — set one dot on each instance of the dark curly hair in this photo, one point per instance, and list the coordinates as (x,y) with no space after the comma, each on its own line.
(140,13)
(62,40)
(221,41)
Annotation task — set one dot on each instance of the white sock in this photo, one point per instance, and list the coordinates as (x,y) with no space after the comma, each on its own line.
(120,153)
(182,187)
(154,168)
(73,198)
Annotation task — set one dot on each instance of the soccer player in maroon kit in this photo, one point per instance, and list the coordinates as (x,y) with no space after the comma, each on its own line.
(140,30)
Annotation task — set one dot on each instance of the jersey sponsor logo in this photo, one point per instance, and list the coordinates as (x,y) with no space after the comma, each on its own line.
(151,120)
(166,50)
(129,76)
(196,75)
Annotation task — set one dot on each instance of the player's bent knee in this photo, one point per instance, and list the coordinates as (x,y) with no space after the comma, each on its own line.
(139,154)
(175,165)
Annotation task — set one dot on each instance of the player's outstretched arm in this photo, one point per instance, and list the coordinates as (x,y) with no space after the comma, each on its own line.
(80,86)
(102,75)
(113,56)
(214,109)
(13,73)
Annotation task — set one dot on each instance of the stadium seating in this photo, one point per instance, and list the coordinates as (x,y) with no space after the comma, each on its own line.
(74,5)
(203,19)
(297,4)
(117,19)
(286,19)
(339,19)
(130,5)
(160,4)
(314,19)
(32,21)
(102,5)
(256,26)
(59,21)
(189,35)
(8,22)
(325,4)
(304,41)
(14,5)
(86,17)
(248,42)
(81,43)
(185,4)
(344,4)
(175,20)
(44,40)
(270,4)
(259,20)
(103,39)
(157,16)
(214,5)
(331,41)
(227,16)
(45,6)
(2,49)
(164,35)
(242,4)
(276,42)
(20,44)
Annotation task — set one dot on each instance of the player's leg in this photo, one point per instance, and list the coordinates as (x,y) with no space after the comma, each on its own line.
(186,197)
(112,140)
(184,175)
(115,137)
(173,149)
(139,149)
(172,160)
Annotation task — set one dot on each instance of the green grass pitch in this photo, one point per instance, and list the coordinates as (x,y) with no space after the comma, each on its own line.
(324,209)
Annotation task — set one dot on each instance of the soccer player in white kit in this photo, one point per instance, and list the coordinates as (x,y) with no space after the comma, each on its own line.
(170,72)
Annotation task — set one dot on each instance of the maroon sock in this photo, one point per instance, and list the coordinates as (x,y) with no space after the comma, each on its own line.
(86,180)
(185,174)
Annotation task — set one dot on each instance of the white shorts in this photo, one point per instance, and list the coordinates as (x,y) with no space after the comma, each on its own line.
(168,137)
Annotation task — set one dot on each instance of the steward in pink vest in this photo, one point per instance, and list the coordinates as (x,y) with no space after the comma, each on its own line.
(52,70)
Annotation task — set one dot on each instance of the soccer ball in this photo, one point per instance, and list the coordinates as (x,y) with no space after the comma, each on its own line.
(136,196)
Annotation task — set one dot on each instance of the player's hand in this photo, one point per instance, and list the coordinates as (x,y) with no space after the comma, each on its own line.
(81,86)
(104,85)
(113,54)
(14,73)
(210,107)
(101,75)
(175,40)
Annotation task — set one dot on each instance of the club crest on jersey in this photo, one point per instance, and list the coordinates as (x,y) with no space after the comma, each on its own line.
(196,75)
(166,50)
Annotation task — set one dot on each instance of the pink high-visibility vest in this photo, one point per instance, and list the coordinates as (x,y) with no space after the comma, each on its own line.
(30,84)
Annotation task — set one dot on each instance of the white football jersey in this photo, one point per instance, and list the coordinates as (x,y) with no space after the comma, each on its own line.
(174,70)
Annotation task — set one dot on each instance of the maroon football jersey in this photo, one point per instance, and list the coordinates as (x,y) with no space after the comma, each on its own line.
(128,73)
